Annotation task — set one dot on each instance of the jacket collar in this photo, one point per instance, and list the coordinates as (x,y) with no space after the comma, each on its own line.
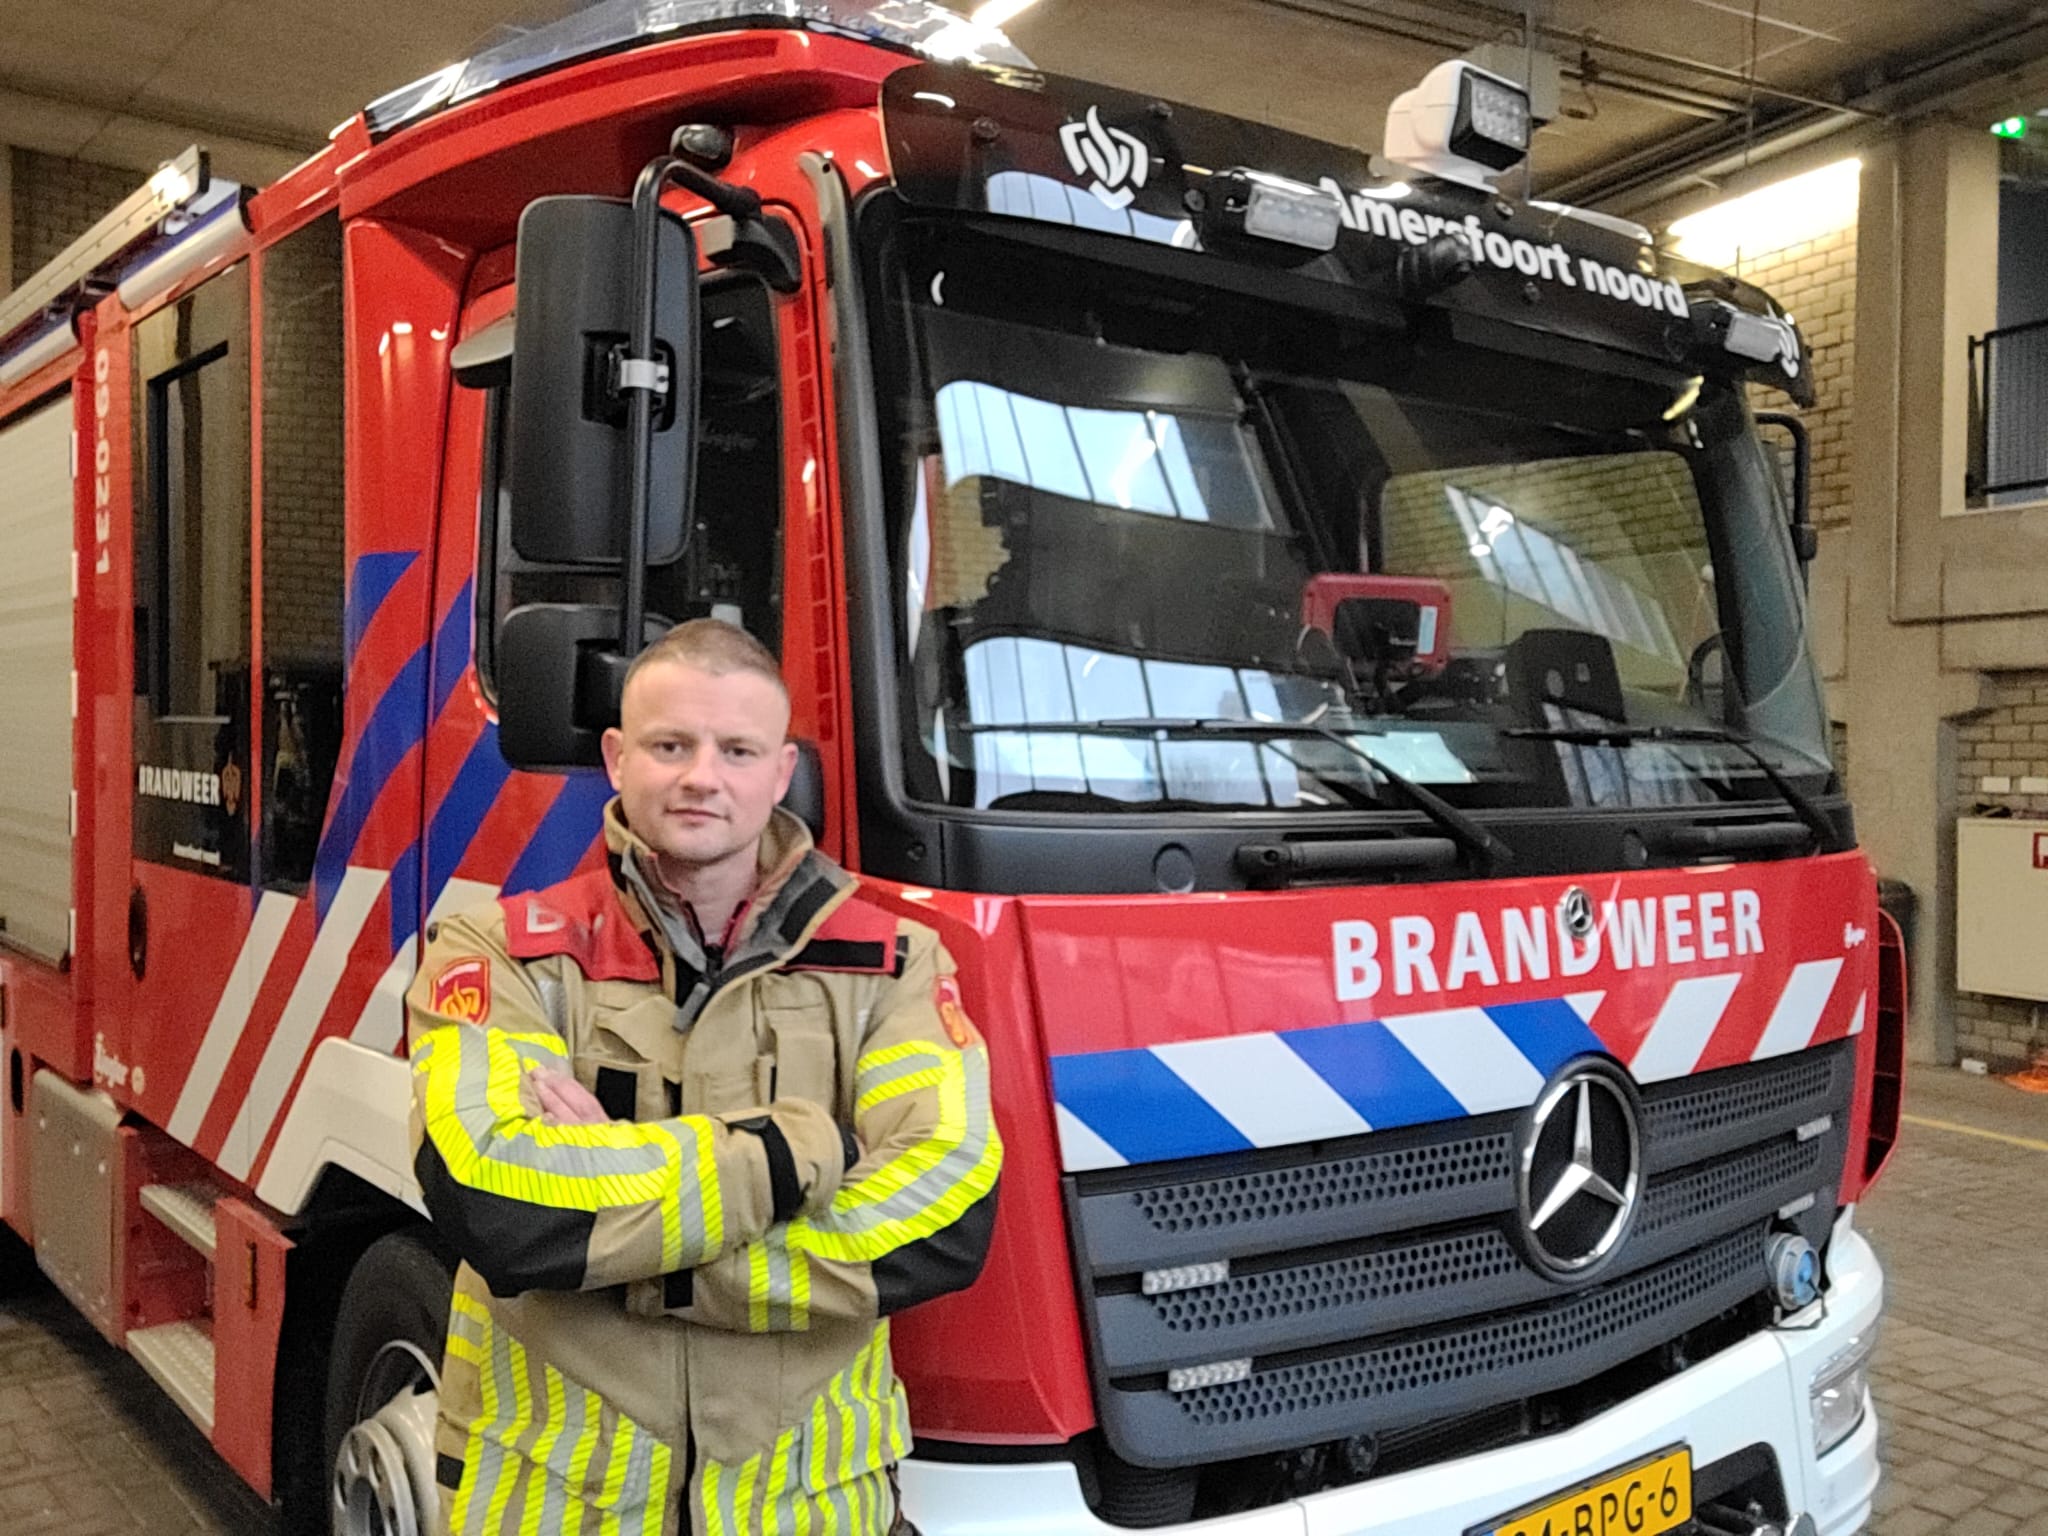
(797,888)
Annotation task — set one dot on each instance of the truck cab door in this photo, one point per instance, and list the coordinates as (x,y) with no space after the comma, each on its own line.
(489,828)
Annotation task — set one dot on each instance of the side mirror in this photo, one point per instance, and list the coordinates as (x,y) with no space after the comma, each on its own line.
(1805,538)
(570,462)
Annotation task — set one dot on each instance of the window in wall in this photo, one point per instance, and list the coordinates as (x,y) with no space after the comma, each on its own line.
(733,566)
(304,574)
(192,581)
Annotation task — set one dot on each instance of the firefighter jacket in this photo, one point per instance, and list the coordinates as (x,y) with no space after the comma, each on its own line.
(678,1321)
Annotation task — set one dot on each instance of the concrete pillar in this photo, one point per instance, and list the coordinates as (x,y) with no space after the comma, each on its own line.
(1924,275)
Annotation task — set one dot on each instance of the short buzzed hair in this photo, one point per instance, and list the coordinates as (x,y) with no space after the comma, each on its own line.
(710,645)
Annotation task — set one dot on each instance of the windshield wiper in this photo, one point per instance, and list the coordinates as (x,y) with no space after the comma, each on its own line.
(1461,829)
(1823,830)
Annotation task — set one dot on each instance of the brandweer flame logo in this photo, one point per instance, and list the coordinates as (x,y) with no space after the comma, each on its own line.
(1118,161)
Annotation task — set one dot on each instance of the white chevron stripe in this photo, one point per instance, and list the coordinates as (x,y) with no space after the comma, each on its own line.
(1799,1009)
(300,1020)
(1856,1023)
(1262,1088)
(1466,1052)
(381,1024)
(231,1014)
(1080,1148)
(1585,1004)
(1683,1027)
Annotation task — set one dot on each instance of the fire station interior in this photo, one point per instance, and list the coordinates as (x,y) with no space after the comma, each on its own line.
(1880,171)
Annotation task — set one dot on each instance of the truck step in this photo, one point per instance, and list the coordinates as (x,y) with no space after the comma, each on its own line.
(187,1209)
(179,1357)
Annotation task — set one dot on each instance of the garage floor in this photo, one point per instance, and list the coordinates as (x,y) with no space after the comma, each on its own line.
(89,1447)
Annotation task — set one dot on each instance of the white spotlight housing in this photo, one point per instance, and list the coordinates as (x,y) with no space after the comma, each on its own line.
(1460,123)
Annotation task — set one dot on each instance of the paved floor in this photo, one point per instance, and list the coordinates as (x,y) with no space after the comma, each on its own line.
(1961,1221)
(89,1447)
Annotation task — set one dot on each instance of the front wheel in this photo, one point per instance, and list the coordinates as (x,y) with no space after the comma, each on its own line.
(383,1389)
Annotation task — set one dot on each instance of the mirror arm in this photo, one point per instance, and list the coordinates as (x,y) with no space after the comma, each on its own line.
(639,370)
(1802,466)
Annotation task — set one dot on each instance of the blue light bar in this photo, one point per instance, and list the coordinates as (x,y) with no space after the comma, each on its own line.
(911,26)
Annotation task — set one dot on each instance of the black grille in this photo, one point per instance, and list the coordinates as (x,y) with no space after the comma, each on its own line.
(1696,1112)
(1537,1350)
(1378,1283)
(1314,1188)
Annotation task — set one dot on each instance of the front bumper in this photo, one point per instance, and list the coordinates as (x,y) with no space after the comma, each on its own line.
(1754,1393)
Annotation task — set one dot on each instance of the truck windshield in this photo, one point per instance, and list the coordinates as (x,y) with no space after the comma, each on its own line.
(1118,498)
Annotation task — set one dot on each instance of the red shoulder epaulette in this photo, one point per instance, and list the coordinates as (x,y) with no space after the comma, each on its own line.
(857,936)
(580,918)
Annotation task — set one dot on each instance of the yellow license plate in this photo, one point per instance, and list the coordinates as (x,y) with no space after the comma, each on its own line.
(1652,1496)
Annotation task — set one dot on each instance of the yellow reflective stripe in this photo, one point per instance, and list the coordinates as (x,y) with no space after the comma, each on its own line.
(657,1491)
(903,1050)
(903,1170)
(489,1417)
(799,1290)
(881,1093)
(579,1462)
(865,1246)
(820,1433)
(472,1462)
(743,1495)
(710,1202)
(774,1500)
(543,1448)
(757,1287)
(527,1137)
(513,1358)
(714,1517)
(615,1475)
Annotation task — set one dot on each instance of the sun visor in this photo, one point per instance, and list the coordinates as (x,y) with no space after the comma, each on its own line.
(1022,145)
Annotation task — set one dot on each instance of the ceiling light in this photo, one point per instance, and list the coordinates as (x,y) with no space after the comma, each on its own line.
(993,13)
(1785,213)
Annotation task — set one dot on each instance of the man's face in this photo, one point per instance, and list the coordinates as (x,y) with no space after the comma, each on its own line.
(699,761)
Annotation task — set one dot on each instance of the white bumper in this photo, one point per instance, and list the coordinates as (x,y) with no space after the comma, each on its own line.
(1756,1392)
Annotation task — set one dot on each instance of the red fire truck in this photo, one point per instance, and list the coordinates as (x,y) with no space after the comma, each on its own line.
(1322,640)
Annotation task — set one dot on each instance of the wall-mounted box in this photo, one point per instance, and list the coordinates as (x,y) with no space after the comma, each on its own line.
(2002,907)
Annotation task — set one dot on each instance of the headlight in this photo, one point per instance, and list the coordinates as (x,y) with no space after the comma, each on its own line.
(1838,1393)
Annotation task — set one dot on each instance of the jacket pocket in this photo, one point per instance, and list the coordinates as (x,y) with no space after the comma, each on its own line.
(859,1425)
(590,1465)
(797,1026)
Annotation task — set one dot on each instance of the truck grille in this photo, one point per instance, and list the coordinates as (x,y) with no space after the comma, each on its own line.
(1377,1284)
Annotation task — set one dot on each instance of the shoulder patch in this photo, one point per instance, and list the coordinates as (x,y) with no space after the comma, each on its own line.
(952,1012)
(462,990)
(582,919)
(854,937)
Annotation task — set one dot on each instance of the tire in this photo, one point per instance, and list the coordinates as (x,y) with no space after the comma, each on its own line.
(390,1329)
(17,1263)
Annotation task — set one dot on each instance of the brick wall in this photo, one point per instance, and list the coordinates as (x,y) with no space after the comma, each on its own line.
(2002,764)
(302,448)
(56,201)
(1816,282)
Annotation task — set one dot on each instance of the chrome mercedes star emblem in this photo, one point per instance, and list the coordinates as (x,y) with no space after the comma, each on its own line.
(1581,1171)
(1575,911)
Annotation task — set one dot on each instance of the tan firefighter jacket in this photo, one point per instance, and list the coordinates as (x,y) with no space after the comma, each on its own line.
(678,1320)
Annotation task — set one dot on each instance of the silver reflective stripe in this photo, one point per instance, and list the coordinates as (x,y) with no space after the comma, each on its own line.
(926,1190)
(479,1123)
(871,1078)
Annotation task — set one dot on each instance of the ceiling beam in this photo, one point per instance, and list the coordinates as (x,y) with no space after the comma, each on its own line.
(116,104)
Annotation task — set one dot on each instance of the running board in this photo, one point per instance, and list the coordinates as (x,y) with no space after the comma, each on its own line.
(187,1209)
(179,1358)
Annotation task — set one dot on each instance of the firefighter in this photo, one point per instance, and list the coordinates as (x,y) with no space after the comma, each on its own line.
(698,1124)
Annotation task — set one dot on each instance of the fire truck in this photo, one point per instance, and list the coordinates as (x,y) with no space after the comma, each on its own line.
(1321,638)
